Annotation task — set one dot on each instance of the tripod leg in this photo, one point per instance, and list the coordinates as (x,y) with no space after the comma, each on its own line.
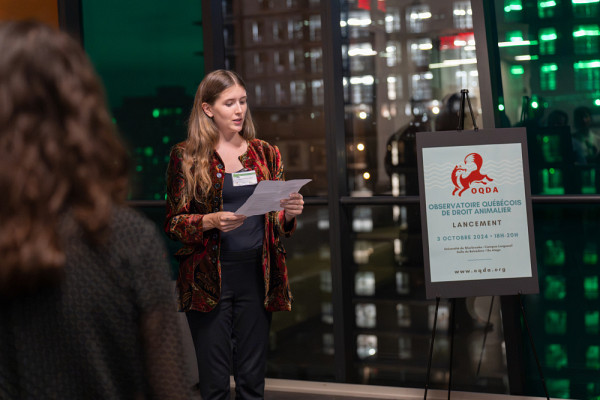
(487,325)
(437,305)
(537,360)
(452,323)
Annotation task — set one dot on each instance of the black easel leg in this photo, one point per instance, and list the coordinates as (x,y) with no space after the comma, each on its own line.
(452,313)
(437,305)
(537,360)
(487,329)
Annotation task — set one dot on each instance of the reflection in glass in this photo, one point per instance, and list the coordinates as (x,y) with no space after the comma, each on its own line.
(364,283)
(404,348)
(276,46)
(388,268)
(550,70)
(366,346)
(366,315)
(404,60)
(443,317)
(403,312)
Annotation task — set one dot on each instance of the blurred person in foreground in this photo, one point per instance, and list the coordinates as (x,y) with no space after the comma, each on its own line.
(87,309)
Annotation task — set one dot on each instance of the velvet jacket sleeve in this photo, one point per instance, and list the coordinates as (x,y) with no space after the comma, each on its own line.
(182,223)
(283,228)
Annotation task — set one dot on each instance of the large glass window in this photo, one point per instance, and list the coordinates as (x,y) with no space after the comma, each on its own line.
(150,57)
(277,48)
(407,65)
(393,324)
(568,303)
(550,68)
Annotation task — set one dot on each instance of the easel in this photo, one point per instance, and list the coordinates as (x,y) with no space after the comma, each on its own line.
(461,124)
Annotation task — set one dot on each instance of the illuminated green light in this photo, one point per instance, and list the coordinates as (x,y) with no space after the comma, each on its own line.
(156,113)
(549,67)
(556,356)
(546,139)
(586,30)
(552,171)
(166,139)
(148,151)
(556,322)
(587,64)
(139,168)
(165,196)
(517,70)
(592,322)
(585,1)
(501,107)
(556,288)
(514,36)
(547,4)
(178,110)
(513,8)
(548,35)
(597,102)
(534,104)
(590,287)
(592,357)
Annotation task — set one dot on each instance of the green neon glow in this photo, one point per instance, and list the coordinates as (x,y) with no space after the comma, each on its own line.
(586,30)
(587,64)
(501,107)
(556,356)
(592,322)
(590,287)
(585,1)
(514,36)
(156,113)
(592,357)
(534,104)
(512,5)
(597,102)
(549,68)
(517,70)
(547,4)
(548,34)
(556,322)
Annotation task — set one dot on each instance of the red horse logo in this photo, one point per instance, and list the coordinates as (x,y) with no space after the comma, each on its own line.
(463,176)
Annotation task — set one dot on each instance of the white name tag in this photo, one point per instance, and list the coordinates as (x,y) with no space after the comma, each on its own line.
(244,178)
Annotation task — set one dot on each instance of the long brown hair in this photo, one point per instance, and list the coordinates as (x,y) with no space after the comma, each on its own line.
(203,134)
(59,153)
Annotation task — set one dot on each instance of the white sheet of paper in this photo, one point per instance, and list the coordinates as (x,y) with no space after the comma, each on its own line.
(267,195)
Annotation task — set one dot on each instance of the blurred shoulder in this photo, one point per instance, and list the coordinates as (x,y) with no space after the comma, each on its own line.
(130,226)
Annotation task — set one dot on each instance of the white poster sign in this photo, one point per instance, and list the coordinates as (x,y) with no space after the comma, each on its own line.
(475,199)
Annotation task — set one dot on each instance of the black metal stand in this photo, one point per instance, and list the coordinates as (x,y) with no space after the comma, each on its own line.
(537,360)
(437,305)
(486,330)
(452,324)
(464,95)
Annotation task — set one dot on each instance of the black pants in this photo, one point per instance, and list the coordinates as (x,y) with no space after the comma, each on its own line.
(234,336)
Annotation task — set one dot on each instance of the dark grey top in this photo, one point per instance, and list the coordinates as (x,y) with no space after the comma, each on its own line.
(108,331)
(250,234)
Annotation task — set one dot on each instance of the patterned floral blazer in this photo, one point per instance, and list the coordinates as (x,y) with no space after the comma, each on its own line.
(199,280)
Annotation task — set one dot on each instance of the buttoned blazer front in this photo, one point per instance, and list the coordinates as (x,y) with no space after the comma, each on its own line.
(199,279)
